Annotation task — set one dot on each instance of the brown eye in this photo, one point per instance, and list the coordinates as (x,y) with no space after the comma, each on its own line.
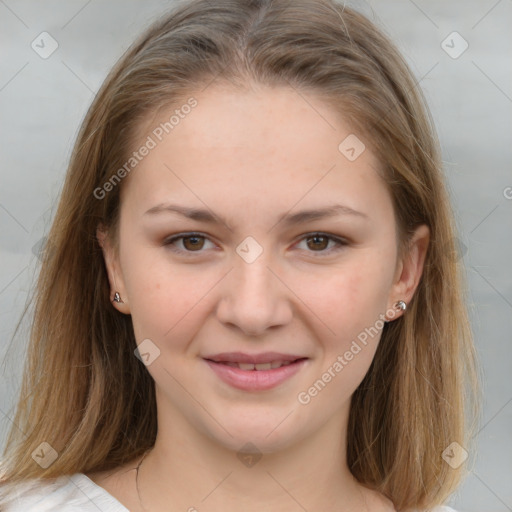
(323,244)
(188,243)
(319,242)
(192,243)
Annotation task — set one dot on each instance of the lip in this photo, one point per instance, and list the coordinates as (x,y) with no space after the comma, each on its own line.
(241,357)
(256,380)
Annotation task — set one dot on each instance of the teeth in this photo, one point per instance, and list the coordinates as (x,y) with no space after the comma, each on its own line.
(263,366)
(245,366)
(260,366)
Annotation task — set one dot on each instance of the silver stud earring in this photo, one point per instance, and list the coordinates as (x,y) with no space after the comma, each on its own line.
(117,297)
(400,305)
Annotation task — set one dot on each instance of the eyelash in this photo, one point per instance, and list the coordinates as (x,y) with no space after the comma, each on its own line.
(341,243)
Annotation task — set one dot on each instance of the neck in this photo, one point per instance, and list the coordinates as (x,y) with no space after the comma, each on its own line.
(193,473)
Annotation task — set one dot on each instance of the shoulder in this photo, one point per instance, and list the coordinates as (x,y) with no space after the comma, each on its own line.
(75,493)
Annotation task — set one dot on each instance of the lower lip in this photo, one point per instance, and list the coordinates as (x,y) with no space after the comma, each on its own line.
(255,380)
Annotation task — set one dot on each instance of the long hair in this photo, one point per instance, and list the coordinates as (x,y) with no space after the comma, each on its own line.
(83,391)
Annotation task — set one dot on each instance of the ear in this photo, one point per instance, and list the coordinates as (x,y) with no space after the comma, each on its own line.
(115,276)
(410,268)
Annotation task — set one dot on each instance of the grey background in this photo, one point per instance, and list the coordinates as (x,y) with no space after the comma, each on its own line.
(42,102)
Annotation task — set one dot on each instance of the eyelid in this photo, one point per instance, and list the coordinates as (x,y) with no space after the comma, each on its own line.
(168,241)
(340,241)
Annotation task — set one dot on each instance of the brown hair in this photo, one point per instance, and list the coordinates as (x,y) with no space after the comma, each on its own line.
(85,393)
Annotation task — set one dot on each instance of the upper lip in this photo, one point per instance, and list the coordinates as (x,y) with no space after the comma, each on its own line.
(240,357)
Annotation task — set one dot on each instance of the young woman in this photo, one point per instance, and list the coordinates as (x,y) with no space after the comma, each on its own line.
(248,299)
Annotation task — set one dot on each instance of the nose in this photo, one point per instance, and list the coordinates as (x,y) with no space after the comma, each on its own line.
(254,297)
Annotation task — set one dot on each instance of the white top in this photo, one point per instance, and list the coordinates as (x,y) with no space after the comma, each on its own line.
(75,493)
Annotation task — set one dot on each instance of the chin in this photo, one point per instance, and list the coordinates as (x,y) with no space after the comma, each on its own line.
(263,435)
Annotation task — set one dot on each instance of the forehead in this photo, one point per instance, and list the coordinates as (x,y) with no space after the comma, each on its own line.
(259,120)
(258,146)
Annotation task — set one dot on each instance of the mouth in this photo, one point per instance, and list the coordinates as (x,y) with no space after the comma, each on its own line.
(256,372)
(257,367)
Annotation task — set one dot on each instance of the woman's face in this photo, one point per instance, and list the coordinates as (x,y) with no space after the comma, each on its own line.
(254,282)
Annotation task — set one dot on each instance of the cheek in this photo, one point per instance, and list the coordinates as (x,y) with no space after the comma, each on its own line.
(167,301)
(357,294)
(353,305)
(155,292)
(353,310)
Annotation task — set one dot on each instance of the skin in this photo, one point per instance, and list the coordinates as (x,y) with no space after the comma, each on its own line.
(251,156)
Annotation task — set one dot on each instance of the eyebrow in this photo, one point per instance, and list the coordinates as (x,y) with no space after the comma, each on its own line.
(303,216)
